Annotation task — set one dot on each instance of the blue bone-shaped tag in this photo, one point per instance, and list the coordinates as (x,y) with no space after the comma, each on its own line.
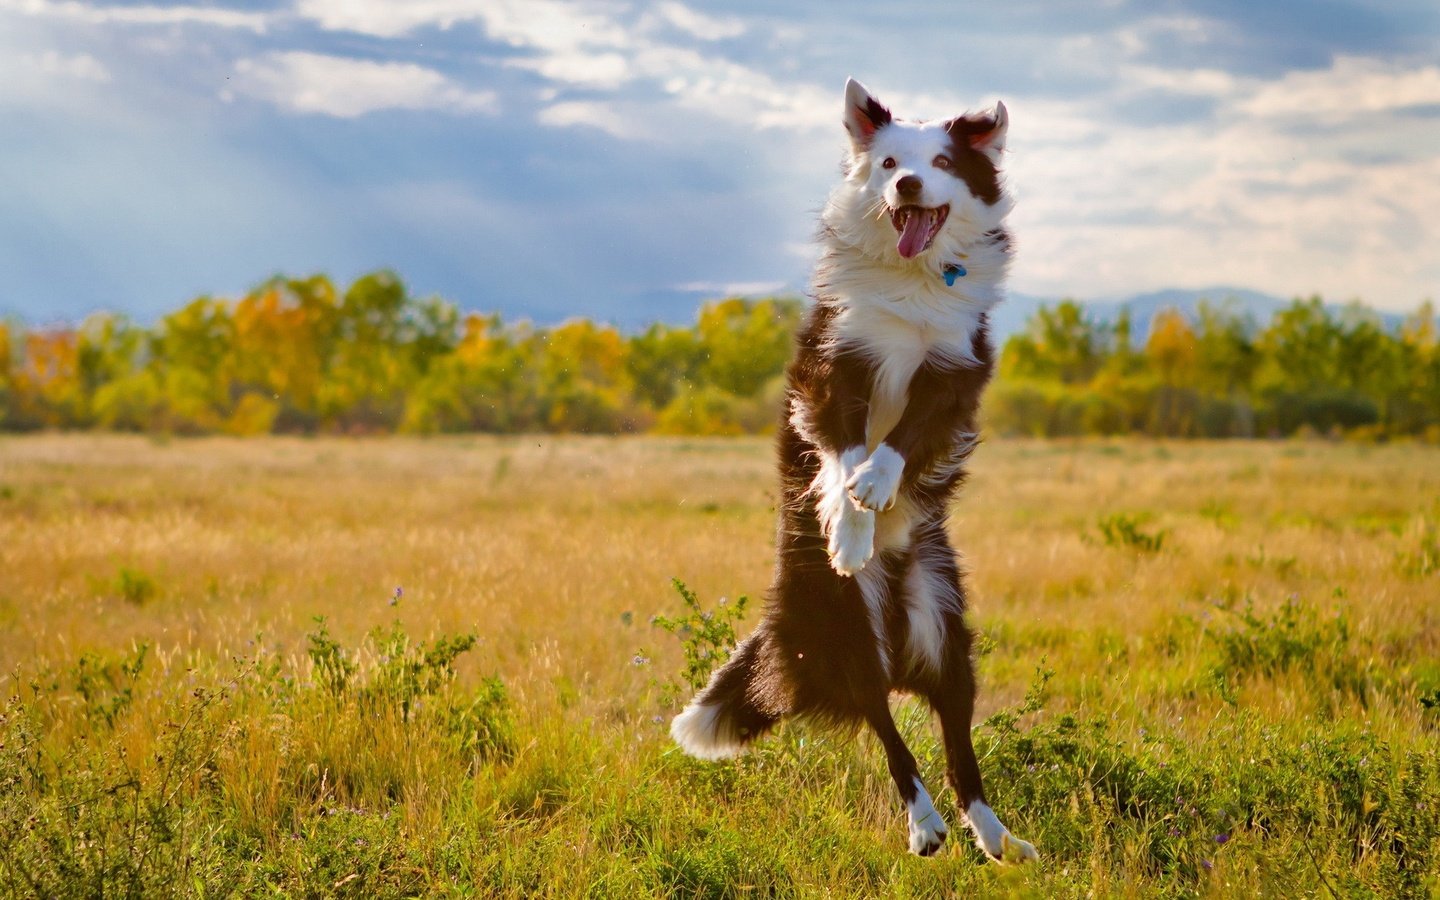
(952,272)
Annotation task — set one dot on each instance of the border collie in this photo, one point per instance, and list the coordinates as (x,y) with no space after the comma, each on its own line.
(881,415)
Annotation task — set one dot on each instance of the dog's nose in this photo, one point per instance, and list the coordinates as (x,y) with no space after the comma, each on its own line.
(909,187)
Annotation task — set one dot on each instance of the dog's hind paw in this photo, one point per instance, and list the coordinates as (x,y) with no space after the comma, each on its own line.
(995,839)
(1015,851)
(852,541)
(927,828)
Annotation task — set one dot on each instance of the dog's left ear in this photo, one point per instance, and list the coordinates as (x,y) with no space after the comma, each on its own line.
(864,115)
(984,133)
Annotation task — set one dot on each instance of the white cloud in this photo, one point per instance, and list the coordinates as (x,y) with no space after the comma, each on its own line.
(344,87)
(387,18)
(593,114)
(1199,82)
(1248,195)
(698,24)
(588,45)
(580,68)
(1351,85)
(140,15)
(549,24)
(79,66)
(50,80)
(734,93)
(734,288)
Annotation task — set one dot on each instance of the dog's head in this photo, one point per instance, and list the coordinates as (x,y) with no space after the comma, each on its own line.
(920,181)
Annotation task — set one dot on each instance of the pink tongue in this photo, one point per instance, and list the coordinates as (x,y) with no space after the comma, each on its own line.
(917,229)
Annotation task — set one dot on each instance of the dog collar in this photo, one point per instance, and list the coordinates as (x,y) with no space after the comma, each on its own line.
(952,272)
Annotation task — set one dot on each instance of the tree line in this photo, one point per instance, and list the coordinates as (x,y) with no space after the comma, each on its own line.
(1219,373)
(301,356)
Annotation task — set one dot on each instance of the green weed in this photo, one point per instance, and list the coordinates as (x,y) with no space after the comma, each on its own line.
(1122,530)
(706,637)
(106,685)
(1296,638)
(87,820)
(135,587)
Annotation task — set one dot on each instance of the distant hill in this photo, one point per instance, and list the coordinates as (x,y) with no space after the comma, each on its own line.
(1012,315)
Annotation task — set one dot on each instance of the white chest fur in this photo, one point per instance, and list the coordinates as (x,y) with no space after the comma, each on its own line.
(898,337)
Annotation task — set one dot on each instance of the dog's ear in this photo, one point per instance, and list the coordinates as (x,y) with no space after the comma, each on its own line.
(985,133)
(864,115)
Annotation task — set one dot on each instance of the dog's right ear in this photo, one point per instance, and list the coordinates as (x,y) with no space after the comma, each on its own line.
(864,115)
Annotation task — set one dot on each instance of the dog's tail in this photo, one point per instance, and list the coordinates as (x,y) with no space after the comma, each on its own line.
(741,703)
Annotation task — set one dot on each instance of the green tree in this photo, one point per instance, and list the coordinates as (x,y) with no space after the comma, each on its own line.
(191,354)
(1061,343)
(744,343)
(661,361)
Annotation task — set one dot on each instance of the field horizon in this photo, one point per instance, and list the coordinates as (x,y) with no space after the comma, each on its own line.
(433,667)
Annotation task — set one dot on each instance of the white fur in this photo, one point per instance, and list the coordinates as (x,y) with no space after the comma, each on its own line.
(703,733)
(928,596)
(876,481)
(994,838)
(850,531)
(875,590)
(927,827)
(852,543)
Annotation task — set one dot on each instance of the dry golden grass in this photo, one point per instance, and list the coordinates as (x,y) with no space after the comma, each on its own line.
(540,544)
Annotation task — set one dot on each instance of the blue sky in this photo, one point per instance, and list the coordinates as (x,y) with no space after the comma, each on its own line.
(625,160)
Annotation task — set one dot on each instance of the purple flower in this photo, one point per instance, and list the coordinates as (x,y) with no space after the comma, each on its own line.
(1206,864)
(1221,838)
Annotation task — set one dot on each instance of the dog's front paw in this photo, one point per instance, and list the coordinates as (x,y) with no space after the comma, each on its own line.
(852,541)
(876,481)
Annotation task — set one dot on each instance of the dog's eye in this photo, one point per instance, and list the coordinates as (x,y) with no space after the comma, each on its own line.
(889,162)
(942,162)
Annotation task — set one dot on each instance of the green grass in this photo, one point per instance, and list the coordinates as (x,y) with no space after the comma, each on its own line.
(446,668)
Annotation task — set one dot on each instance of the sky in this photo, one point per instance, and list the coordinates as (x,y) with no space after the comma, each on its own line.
(627,160)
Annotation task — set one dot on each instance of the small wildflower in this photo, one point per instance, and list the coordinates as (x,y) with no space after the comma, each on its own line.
(1221,838)
(640,660)
(395,600)
(1206,864)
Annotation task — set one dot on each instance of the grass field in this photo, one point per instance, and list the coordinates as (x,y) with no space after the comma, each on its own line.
(1207,669)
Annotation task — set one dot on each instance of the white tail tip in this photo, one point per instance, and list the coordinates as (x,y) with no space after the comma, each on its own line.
(704,733)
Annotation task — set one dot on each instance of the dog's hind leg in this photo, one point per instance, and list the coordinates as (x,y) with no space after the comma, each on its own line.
(736,707)
(955,703)
(952,695)
(927,828)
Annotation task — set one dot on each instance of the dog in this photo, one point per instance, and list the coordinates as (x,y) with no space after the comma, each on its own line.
(881,416)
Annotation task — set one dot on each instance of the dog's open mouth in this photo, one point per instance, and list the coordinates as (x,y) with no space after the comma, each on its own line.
(917,226)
